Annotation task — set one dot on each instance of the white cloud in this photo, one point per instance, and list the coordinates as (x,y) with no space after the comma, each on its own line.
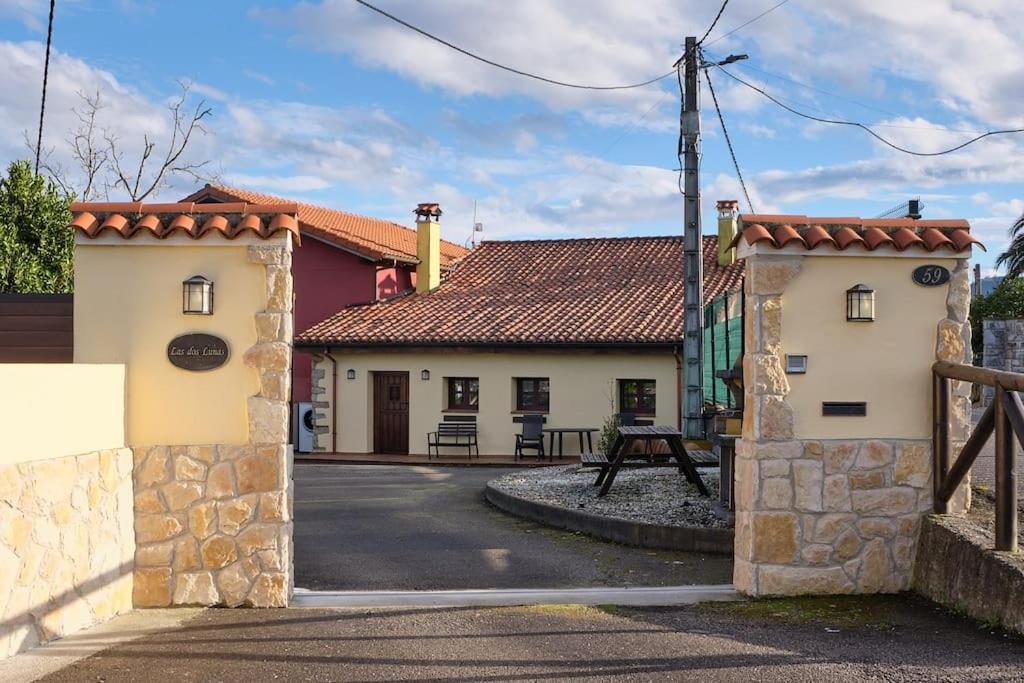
(279,184)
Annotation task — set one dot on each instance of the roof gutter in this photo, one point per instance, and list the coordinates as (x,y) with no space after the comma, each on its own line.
(669,346)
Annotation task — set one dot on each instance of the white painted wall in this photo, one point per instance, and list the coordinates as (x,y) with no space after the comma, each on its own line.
(583,392)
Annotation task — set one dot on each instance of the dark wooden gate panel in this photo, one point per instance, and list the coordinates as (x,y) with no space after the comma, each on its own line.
(36,328)
(391,412)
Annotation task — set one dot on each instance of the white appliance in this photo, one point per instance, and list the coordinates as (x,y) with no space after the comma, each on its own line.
(305,423)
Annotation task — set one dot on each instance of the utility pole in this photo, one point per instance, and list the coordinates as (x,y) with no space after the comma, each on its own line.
(693,257)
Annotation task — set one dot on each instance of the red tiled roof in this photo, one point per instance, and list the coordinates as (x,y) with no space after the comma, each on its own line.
(870,233)
(581,291)
(373,238)
(129,218)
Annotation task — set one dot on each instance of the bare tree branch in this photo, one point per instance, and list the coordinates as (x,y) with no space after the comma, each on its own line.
(183,126)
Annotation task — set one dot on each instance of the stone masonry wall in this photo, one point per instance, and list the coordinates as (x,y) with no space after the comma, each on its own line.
(1003,349)
(66,546)
(213,522)
(321,405)
(827,516)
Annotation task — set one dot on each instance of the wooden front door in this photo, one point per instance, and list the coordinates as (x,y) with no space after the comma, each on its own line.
(391,412)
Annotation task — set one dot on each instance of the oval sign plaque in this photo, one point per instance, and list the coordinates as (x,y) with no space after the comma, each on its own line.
(197,352)
(931,276)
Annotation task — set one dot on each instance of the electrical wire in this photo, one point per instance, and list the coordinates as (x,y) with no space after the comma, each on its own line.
(46,74)
(747,23)
(503,67)
(857,124)
(715,22)
(807,86)
(728,142)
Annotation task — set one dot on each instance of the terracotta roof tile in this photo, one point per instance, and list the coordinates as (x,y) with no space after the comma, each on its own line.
(843,232)
(582,291)
(129,218)
(373,238)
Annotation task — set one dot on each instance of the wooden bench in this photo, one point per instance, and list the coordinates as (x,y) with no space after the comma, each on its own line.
(453,435)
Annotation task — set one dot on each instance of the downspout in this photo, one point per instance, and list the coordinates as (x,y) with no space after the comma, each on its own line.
(679,388)
(334,400)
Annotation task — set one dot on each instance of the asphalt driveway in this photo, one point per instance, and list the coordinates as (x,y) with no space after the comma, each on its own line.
(394,527)
(898,638)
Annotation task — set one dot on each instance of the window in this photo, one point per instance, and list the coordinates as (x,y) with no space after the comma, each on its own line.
(532,394)
(637,396)
(463,393)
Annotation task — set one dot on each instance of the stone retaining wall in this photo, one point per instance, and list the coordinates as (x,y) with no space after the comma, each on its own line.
(66,546)
(213,522)
(958,568)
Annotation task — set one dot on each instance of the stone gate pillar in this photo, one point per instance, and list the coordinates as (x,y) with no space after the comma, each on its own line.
(196,301)
(844,319)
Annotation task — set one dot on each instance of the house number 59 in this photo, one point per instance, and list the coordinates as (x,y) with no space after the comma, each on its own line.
(931,276)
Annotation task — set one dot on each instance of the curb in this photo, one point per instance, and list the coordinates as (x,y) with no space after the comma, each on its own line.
(639,534)
(647,596)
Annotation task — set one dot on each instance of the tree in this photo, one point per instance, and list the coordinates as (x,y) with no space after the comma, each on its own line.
(102,167)
(1013,257)
(36,245)
(1005,302)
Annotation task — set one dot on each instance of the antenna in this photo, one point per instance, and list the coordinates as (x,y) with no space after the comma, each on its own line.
(909,209)
(477,227)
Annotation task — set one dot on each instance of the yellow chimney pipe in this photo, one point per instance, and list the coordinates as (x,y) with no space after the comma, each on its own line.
(728,211)
(428,247)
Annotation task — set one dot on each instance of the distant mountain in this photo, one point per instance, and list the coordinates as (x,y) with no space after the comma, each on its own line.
(990,283)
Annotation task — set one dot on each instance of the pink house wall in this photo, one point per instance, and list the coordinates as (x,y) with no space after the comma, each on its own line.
(326,279)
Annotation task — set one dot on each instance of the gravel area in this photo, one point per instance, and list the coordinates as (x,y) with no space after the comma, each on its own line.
(654,496)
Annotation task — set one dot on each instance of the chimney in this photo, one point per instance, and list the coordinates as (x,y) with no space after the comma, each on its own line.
(728,212)
(428,247)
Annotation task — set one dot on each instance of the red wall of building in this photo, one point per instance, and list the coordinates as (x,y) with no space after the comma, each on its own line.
(326,279)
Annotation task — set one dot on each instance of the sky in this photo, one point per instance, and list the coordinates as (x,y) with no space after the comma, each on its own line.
(327,102)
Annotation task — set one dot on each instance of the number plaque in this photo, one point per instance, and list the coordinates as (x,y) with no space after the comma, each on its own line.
(931,276)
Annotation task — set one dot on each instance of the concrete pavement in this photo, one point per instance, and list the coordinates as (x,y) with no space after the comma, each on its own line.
(390,527)
(825,639)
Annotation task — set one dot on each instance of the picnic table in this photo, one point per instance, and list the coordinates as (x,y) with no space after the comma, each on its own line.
(561,431)
(615,460)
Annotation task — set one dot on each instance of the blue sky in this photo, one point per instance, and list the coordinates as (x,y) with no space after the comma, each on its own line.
(327,102)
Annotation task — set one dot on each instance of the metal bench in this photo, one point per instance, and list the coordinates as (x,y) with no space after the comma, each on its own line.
(453,435)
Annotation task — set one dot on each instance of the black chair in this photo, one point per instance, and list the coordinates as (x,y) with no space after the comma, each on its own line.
(532,437)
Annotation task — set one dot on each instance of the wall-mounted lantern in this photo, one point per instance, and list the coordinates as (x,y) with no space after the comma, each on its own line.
(860,304)
(197,296)
(425,375)
(351,374)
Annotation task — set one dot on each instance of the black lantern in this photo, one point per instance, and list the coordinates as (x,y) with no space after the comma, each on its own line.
(351,374)
(860,304)
(197,296)
(425,375)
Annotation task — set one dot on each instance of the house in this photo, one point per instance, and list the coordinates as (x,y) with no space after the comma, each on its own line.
(343,259)
(573,329)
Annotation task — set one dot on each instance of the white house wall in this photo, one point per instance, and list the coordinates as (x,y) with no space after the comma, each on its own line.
(583,391)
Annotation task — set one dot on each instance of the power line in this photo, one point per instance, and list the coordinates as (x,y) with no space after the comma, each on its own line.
(748,22)
(714,23)
(728,142)
(46,74)
(807,86)
(856,124)
(503,67)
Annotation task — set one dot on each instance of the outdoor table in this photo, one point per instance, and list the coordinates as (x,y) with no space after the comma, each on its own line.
(561,431)
(671,436)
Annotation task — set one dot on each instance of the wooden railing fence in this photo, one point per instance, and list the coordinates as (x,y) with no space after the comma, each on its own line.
(1004,417)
